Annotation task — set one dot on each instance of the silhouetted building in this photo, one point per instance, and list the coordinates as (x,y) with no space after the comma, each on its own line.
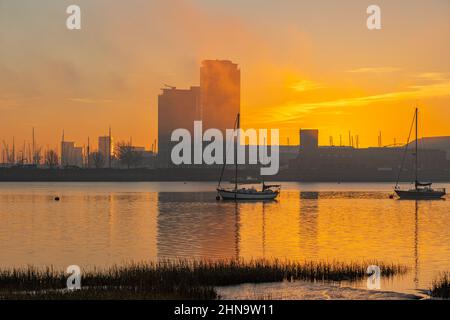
(287,154)
(148,159)
(309,139)
(71,155)
(220,86)
(66,148)
(177,109)
(216,103)
(316,163)
(105,148)
(137,149)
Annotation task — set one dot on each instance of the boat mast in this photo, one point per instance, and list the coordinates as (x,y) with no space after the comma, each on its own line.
(417,151)
(413,122)
(236,151)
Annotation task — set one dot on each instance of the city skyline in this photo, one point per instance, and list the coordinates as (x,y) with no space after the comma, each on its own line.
(351,79)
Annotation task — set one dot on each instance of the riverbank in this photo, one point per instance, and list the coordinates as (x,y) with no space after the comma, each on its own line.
(32,174)
(180,279)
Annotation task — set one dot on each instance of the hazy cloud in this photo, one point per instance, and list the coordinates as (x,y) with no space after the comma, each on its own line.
(90,100)
(374,70)
(307,85)
(433,76)
(293,111)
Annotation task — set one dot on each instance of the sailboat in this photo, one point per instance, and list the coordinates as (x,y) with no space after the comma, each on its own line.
(421,191)
(267,192)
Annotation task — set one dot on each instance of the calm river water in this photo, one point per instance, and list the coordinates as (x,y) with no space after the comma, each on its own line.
(100,224)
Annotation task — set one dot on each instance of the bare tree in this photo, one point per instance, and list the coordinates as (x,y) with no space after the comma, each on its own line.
(99,159)
(51,158)
(127,155)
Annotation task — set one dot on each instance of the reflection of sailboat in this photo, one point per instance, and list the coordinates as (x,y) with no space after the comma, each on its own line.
(264,230)
(421,191)
(416,245)
(237,230)
(268,192)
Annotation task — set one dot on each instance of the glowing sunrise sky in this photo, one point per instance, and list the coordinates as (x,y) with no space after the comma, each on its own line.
(304,64)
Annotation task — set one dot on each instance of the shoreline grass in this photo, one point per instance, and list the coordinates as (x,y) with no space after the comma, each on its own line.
(176,279)
(441,286)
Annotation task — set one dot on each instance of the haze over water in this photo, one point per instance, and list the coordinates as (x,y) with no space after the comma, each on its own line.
(100,224)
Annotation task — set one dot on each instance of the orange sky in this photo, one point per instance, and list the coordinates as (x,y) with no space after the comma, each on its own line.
(304,65)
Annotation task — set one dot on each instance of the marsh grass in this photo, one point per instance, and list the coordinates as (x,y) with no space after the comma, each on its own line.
(441,287)
(177,279)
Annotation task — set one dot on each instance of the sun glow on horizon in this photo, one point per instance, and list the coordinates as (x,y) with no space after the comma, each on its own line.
(303,66)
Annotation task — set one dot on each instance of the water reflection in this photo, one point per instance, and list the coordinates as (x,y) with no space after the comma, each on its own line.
(308,228)
(207,230)
(416,245)
(112,223)
(264,230)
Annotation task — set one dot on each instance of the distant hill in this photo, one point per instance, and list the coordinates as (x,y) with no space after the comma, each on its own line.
(438,143)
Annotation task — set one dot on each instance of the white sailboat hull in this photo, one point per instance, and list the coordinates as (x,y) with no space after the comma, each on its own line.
(241,195)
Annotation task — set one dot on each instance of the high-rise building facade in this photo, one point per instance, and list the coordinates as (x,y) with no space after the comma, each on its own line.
(106,149)
(77,157)
(177,108)
(309,139)
(71,155)
(216,103)
(220,86)
(66,152)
